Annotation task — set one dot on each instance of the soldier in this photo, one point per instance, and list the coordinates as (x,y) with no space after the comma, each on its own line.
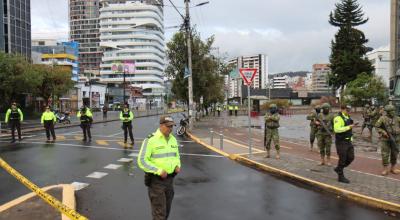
(388,127)
(272,133)
(324,121)
(367,120)
(313,127)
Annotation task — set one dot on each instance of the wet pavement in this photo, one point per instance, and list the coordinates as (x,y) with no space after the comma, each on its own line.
(209,187)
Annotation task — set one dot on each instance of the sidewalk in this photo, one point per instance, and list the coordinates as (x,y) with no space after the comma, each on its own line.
(300,164)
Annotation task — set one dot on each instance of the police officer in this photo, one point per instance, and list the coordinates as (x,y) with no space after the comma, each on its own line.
(126,117)
(388,127)
(14,117)
(48,119)
(324,121)
(367,120)
(219,110)
(86,118)
(230,108)
(313,127)
(236,107)
(159,159)
(343,127)
(272,134)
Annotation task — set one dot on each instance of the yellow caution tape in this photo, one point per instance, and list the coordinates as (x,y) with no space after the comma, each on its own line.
(72,214)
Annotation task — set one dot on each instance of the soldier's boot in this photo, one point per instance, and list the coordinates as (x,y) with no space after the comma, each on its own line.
(385,171)
(322,161)
(278,155)
(311,146)
(268,155)
(394,170)
(328,161)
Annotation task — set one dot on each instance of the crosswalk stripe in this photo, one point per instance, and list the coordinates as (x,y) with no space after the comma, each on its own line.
(122,144)
(101,142)
(61,138)
(78,138)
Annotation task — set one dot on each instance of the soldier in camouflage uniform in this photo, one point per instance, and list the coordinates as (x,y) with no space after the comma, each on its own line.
(313,127)
(272,133)
(324,122)
(367,120)
(388,127)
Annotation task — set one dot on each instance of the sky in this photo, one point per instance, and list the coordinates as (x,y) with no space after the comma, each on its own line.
(293,34)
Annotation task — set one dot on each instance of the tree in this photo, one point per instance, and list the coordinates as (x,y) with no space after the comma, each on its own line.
(53,80)
(348,49)
(366,88)
(207,81)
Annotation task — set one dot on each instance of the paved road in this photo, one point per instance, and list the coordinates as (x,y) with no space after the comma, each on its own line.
(209,187)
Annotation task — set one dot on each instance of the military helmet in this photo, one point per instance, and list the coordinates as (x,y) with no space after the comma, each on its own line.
(325,106)
(273,106)
(317,107)
(389,108)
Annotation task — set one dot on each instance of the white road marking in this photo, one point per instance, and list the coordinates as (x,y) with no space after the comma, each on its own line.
(112,166)
(202,155)
(70,133)
(97,175)
(115,134)
(125,160)
(78,186)
(134,154)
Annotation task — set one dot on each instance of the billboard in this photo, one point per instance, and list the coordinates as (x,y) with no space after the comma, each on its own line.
(127,66)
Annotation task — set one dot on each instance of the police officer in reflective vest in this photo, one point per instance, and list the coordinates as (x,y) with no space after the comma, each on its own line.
(14,117)
(219,110)
(48,119)
(236,109)
(343,127)
(86,118)
(159,159)
(126,117)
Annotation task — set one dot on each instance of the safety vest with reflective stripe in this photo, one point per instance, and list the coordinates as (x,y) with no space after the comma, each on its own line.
(157,153)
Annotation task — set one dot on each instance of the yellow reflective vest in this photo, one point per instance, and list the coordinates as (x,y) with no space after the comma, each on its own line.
(159,153)
(48,116)
(126,116)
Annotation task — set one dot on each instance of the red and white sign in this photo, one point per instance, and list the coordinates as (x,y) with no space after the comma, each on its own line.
(248,75)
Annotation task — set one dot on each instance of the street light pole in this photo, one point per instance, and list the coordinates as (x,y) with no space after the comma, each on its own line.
(190,79)
(123,87)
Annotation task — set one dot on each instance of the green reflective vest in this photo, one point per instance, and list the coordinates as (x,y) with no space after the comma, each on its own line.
(48,116)
(126,116)
(159,153)
(14,115)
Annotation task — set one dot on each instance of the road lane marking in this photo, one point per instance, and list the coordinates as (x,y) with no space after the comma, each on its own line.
(125,160)
(112,166)
(202,155)
(125,145)
(102,142)
(78,185)
(116,134)
(78,138)
(134,155)
(97,175)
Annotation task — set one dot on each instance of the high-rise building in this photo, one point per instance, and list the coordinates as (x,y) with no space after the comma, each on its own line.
(15,27)
(380,61)
(133,44)
(320,78)
(84,29)
(259,62)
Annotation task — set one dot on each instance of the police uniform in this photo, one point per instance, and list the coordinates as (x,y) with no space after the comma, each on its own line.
(126,118)
(219,110)
(236,110)
(159,153)
(389,124)
(86,118)
(344,143)
(14,117)
(48,119)
(271,130)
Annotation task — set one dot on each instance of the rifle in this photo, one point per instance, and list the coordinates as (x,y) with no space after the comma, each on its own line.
(391,138)
(324,125)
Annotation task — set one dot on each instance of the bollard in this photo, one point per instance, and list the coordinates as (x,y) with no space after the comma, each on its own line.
(212,137)
(221,141)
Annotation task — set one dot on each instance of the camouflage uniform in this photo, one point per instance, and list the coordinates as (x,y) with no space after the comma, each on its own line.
(390,123)
(271,130)
(323,136)
(367,118)
(313,127)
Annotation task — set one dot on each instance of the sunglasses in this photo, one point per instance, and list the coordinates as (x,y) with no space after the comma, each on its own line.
(170,126)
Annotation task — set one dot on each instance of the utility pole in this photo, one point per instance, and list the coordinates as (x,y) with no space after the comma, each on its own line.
(124,85)
(190,79)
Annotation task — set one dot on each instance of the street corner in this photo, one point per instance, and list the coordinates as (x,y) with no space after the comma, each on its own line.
(31,206)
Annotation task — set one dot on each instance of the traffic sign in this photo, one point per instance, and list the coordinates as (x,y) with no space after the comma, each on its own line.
(248,75)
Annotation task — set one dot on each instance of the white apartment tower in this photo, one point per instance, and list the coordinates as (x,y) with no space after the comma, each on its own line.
(132,32)
(259,62)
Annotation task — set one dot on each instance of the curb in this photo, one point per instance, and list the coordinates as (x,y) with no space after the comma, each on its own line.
(352,196)
(68,198)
